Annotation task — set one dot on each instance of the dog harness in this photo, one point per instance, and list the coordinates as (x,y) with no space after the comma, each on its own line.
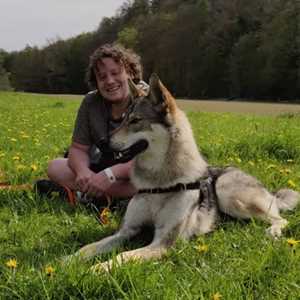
(206,186)
(209,179)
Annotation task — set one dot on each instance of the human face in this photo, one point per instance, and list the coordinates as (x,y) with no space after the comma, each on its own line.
(112,80)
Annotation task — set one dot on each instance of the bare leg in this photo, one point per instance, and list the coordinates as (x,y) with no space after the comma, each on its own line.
(59,172)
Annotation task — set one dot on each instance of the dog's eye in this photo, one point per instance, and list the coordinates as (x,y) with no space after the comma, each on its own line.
(134,121)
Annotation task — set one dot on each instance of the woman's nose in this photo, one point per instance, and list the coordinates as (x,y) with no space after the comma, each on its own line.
(109,79)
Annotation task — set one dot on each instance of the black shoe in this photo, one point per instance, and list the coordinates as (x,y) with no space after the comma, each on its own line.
(45,187)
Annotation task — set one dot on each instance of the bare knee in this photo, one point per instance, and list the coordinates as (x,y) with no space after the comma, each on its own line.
(59,171)
(52,169)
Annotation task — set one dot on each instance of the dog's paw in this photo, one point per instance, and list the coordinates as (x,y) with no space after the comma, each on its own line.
(101,267)
(275,230)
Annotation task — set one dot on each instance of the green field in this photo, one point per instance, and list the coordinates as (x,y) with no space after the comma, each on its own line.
(237,261)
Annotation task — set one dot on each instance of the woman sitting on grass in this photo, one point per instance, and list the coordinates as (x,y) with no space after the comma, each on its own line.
(101,111)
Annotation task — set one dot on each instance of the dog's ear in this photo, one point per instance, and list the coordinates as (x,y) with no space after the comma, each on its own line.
(159,94)
(134,90)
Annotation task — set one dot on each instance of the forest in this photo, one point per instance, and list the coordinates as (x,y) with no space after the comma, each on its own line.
(200,49)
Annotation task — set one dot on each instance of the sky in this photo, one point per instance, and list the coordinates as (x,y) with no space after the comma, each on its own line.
(36,22)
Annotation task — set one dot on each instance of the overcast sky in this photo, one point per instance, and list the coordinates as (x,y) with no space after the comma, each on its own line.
(34,22)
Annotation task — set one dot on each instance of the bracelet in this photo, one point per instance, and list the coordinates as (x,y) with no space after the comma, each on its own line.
(110,175)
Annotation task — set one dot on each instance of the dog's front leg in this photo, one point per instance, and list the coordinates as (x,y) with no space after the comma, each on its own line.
(105,245)
(164,238)
(144,253)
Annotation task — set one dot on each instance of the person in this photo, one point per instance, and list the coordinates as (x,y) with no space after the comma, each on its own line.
(110,68)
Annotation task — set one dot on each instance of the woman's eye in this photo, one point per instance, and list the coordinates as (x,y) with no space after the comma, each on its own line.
(101,77)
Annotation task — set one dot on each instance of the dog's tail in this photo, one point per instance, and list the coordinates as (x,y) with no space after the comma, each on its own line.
(287,199)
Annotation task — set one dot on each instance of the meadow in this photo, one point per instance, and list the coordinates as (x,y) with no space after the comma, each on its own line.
(236,261)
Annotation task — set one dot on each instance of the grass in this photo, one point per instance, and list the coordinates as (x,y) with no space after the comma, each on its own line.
(237,261)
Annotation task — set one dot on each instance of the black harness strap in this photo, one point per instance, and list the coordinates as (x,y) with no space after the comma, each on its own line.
(205,183)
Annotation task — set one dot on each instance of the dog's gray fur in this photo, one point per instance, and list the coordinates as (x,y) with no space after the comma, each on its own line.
(173,157)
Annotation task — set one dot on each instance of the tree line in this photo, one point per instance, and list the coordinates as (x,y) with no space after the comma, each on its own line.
(199,48)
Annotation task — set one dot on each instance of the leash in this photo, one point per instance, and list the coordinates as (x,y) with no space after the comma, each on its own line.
(18,187)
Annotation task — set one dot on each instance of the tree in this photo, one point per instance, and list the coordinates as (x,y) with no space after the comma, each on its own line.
(4,75)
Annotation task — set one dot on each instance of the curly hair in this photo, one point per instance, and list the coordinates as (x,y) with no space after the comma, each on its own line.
(126,57)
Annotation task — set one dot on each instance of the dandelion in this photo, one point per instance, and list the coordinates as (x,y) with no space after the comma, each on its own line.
(216,296)
(292,242)
(49,270)
(285,171)
(33,167)
(105,215)
(202,248)
(291,183)
(12,263)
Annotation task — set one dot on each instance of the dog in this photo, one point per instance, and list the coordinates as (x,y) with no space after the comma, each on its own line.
(163,174)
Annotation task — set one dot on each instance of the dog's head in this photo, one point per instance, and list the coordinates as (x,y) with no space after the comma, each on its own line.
(149,118)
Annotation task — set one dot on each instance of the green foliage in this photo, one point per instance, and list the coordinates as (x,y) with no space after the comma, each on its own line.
(236,260)
(128,37)
(4,75)
(200,48)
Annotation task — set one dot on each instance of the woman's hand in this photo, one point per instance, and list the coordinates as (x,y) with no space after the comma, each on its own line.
(82,180)
(98,184)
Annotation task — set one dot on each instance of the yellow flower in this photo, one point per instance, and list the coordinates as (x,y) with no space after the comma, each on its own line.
(49,270)
(285,171)
(11,263)
(292,242)
(291,183)
(216,296)
(202,248)
(16,157)
(105,215)
(33,167)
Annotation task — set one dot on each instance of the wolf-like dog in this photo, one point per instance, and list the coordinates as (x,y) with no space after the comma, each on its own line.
(173,159)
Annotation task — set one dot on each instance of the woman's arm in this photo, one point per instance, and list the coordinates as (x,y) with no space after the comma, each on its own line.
(78,161)
(122,187)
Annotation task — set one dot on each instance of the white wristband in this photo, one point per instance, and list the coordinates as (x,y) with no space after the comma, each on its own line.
(110,175)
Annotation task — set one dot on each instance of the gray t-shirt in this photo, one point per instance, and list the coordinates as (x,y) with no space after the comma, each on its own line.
(91,125)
